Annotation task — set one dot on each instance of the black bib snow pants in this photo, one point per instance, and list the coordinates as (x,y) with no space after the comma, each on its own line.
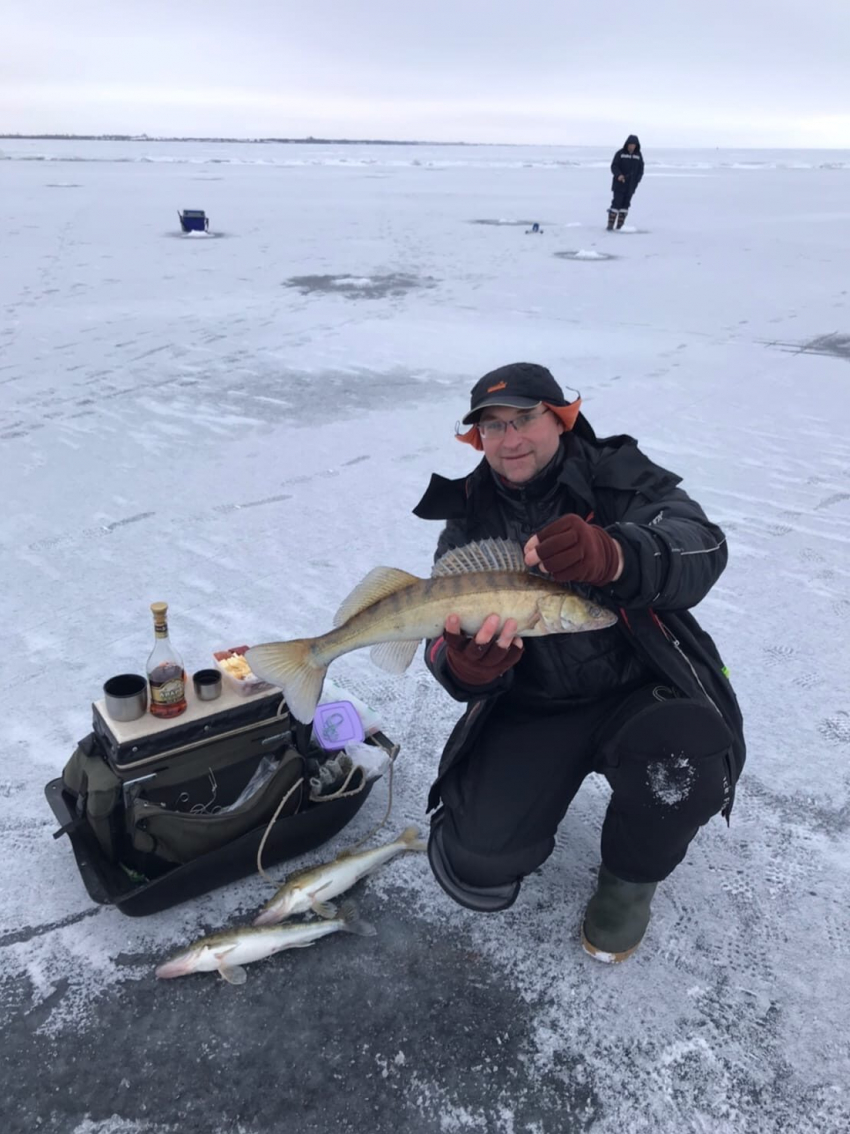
(667,759)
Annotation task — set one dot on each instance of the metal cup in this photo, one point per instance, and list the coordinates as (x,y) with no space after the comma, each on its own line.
(207,684)
(126,696)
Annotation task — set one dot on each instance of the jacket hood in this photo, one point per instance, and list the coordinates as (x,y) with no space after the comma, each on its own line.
(632,139)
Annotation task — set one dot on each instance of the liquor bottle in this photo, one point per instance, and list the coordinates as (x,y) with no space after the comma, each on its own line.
(165,671)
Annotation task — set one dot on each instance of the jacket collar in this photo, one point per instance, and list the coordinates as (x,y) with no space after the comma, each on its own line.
(612,462)
(446,499)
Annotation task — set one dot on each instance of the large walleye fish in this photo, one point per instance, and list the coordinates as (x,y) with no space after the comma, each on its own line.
(392,611)
(313,888)
(226,952)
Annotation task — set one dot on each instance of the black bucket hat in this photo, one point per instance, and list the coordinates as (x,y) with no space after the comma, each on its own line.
(521,385)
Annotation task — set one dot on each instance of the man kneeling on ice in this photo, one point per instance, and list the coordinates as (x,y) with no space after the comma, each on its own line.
(645,702)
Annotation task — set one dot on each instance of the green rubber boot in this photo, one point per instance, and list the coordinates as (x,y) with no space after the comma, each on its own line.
(616,917)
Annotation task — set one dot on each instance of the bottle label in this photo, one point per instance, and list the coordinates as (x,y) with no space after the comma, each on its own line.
(160,629)
(169,693)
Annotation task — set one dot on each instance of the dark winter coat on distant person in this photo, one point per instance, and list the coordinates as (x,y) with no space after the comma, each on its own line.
(627,165)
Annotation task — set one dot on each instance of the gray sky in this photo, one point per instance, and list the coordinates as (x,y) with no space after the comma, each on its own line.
(678,72)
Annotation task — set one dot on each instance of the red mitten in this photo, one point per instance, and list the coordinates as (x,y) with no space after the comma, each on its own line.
(573,551)
(474,663)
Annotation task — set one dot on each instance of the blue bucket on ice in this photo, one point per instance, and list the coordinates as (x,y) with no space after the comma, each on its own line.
(194,220)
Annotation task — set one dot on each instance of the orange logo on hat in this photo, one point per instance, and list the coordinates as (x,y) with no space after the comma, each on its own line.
(498,386)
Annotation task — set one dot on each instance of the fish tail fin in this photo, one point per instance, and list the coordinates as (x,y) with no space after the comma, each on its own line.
(352,922)
(412,841)
(289,665)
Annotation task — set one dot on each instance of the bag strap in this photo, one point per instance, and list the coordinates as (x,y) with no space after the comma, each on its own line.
(70,828)
(298,783)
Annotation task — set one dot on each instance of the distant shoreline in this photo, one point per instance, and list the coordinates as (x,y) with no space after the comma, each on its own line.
(245,141)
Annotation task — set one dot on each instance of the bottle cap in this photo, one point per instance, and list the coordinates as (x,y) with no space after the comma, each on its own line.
(159,609)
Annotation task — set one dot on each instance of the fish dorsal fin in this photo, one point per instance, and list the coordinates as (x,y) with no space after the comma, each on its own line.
(485,555)
(379,583)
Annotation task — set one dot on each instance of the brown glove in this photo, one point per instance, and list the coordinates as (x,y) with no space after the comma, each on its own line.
(473,663)
(573,551)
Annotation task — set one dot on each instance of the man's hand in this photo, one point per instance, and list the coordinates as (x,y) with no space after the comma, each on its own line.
(622,178)
(482,659)
(573,551)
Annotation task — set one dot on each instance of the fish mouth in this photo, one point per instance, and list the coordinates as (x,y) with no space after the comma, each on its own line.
(177,966)
(268,917)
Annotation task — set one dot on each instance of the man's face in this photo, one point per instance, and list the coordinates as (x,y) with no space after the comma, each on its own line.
(631,147)
(520,454)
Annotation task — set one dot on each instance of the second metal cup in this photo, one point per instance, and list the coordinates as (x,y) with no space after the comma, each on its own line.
(207,684)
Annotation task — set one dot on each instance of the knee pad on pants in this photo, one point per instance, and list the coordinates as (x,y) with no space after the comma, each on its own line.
(672,757)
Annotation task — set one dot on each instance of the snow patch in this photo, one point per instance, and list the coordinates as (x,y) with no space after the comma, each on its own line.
(671,780)
(589,254)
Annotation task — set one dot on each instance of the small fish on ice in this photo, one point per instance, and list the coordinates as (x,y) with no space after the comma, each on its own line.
(226,952)
(313,888)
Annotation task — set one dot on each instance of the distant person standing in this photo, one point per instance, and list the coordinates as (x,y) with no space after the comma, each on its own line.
(627,168)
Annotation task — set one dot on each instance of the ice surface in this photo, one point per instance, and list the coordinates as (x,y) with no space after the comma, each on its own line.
(179,424)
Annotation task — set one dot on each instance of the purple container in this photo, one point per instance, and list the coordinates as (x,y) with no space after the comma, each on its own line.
(337,724)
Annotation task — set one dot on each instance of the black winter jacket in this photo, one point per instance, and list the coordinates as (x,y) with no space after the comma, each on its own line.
(673,556)
(629,165)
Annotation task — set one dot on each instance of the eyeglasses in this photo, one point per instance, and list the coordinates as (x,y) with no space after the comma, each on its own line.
(498,428)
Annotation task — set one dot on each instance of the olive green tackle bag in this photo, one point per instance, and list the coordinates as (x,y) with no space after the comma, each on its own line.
(162,817)
(180,809)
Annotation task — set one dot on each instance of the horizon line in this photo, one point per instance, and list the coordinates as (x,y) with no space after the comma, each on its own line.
(312,140)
